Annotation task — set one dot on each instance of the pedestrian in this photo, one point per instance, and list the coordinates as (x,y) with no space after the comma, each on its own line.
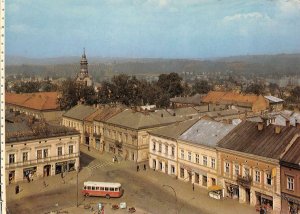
(144,166)
(193,187)
(262,210)
(137,168)
(45,185)
(113,159)
(62,174)
(17,189)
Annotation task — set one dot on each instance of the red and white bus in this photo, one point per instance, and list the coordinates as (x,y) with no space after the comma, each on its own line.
(105,189)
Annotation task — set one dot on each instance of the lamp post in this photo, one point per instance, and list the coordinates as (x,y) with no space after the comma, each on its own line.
(164,185)
(77,187)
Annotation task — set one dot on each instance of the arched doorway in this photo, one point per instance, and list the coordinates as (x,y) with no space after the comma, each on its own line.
(47,170)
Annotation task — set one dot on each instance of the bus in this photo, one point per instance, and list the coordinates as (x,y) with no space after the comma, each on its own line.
(104,189)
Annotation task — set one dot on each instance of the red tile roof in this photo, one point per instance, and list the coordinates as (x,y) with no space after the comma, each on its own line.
(37,101)
(221,96)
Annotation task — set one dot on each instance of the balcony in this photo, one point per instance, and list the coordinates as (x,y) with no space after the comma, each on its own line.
(42,160)
(244,181)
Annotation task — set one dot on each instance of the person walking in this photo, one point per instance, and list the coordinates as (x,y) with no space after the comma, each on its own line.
(17,189)
(144,166)
(137,168)
(193,187)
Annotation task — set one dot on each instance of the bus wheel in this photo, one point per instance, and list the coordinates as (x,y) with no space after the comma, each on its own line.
(107,196)
(87,195)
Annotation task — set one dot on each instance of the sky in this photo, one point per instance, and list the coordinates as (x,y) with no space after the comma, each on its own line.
(151,28)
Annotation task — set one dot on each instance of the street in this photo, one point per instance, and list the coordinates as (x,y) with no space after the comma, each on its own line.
(143,190)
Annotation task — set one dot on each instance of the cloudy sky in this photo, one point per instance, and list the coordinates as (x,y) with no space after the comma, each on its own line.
(152,28)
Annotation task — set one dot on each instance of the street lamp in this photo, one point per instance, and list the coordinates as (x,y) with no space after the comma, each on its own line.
(164,185)
(77,186)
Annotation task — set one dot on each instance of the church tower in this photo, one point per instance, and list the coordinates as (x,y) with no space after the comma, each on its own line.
(83,76)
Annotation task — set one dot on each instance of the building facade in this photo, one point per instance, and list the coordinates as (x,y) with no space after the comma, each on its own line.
(35,149)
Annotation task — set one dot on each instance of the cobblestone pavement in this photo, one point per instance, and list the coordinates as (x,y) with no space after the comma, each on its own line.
(144,190)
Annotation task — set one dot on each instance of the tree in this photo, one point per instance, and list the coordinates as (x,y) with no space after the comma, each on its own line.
(69,94)
(257,89)
(201,87)
(170,84)
(296,93)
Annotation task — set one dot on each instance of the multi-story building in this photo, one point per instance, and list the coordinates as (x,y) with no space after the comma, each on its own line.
(197,155)
(163,146)
(217,100)
(37,149)
(126,133)
(41,105)
(290,179)
(275,103)
(75,118)
(104,113)
(248,160)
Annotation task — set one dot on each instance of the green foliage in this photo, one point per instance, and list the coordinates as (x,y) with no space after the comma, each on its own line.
(255,88)
(201,87)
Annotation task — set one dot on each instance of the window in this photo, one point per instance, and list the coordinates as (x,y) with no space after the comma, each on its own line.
(45,153)
(111,189)
(182,172)
(89,188)
(197,158)
(116,189)
(11,158)
(226,167)
(173,151)
(25,156)
(166,149)
(257,176)
(213,163)
(182,154)
(236,169)
(70,149)
(106,188)
(268,178)
(159,147)
(154,146)
(189,156)
(93,188)
(101,188)
(39,154)
(246,171)
(205,160)
(290,183)
(97,188)
(59,151)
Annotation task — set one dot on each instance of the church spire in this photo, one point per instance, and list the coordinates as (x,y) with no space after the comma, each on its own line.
(83,55)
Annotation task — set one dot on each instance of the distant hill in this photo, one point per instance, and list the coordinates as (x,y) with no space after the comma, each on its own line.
(100,68)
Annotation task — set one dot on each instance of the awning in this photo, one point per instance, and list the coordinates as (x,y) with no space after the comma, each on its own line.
(214,188)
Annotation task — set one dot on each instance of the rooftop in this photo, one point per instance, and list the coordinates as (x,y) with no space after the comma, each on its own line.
(273,99)
(293,154)
(80,112)
(246,138)
(195,100)
(175,130)
(21,127)
(140,120)
(206,132)
(37,101)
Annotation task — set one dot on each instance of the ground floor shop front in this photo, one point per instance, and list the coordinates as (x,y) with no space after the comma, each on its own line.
(290,204)
(253,196)
(163,164)
(30,172)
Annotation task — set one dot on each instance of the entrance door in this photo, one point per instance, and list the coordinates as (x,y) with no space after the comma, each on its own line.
(87,140)
(247,195)
(166,168)
(154,164)
(47,170)
(190,176)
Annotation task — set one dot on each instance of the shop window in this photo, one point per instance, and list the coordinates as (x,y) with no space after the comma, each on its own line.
(290,183)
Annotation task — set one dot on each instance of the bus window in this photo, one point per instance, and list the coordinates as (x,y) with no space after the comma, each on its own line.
(106,188)
(111,189)
(89,188)
(84,187)
(97,188)
(93,188)
(102,188)
(116,189)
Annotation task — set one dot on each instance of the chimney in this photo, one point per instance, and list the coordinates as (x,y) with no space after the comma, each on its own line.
(287,123)
(277,129)
(260,126)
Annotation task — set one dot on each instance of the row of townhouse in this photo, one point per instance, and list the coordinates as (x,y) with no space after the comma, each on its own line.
(245,161)
(36,149)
